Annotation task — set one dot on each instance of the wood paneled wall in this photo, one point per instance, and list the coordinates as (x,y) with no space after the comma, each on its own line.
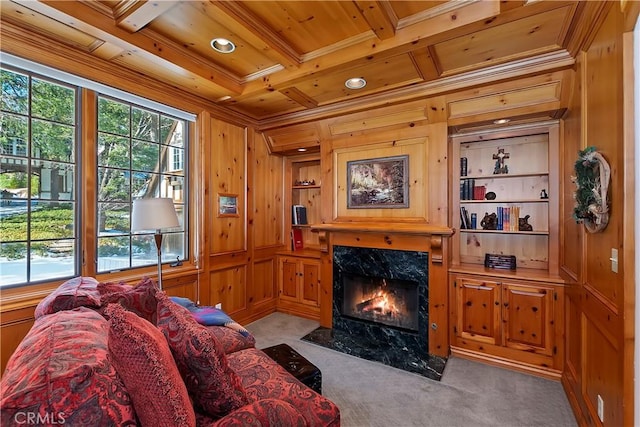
(598,299)
(241,248)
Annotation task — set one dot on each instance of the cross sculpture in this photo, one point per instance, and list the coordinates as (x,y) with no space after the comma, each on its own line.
(500,167)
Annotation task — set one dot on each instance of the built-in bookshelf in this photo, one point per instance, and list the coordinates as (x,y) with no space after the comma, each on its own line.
(505,198)
(302,193)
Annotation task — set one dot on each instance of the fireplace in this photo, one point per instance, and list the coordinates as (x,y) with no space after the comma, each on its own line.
(380,309)
(392,302)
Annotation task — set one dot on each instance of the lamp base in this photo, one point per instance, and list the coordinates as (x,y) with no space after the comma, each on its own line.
(158,239)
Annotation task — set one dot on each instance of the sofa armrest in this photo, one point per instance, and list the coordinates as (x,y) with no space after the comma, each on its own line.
(263,413)
(231,340)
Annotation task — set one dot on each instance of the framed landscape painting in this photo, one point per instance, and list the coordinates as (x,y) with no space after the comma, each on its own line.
(227,205)
(378,183)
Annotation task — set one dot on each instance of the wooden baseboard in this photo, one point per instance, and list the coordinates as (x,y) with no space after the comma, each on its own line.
(506,363)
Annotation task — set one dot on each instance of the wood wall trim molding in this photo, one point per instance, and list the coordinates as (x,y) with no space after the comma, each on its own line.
(546,63)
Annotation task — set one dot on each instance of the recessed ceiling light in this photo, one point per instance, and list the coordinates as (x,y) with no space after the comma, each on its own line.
(355,83)
(222,45)
(501,121)
(302,149)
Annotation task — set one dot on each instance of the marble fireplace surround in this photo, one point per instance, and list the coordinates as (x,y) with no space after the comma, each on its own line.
(421,249)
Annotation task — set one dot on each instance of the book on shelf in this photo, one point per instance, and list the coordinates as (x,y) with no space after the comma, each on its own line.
(297,243)
(463,166)
(479,192)
(465,221)
(470,184)
(298,215)
(467,188)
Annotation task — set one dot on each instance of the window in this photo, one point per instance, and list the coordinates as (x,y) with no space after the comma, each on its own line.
(142,152)
(38,173)
(140,155)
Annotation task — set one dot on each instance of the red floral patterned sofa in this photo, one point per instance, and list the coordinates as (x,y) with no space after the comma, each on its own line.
(103,354)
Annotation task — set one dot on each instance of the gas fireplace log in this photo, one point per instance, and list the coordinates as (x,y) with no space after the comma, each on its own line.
(369,304)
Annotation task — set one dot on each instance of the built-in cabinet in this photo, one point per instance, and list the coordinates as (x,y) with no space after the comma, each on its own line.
(512,320)
(299,278)
(505,290)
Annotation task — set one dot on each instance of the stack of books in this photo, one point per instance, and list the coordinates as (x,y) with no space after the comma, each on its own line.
(508,218)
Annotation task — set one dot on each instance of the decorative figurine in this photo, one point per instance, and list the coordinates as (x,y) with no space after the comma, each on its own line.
(489,222)
(500,167)
(523,224)
(543,194)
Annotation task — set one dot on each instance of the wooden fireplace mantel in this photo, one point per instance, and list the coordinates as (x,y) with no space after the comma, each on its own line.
(385,227)
(399,236)
(388,235)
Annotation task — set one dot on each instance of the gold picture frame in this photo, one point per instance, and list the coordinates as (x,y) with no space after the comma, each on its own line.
(378,183)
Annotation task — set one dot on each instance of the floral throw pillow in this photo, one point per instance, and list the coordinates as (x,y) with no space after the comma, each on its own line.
(140,299)
(215,388)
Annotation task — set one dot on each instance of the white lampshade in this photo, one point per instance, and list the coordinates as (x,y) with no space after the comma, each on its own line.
(153,214)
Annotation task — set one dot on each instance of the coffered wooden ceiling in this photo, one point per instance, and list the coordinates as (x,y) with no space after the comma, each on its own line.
(293,57)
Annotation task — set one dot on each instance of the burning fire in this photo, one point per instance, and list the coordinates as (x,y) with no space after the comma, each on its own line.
(379,303)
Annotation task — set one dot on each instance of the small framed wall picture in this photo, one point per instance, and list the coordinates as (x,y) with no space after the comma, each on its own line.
(227,204)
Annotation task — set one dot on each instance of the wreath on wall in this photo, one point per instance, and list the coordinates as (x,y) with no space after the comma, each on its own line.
(592,184)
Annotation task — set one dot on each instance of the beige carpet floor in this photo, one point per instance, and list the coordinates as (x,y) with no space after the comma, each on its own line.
(372,394)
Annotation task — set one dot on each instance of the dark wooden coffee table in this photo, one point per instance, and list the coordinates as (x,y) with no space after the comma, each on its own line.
(306,372)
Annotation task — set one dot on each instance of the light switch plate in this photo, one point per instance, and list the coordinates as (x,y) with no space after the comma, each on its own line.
(614,260)
(600,408)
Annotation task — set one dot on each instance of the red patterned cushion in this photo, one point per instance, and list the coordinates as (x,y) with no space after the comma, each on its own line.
(61,371)
(263,378)
(140,299)
(265,412)
(76,292)
(231,340)
(214,387)
(143,359)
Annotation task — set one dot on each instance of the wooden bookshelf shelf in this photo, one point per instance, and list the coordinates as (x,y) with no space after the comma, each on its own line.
(539,232)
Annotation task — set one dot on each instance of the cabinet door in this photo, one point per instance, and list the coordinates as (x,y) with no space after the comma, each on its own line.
(310,282)
(478,310)
(289,279)
(528,317)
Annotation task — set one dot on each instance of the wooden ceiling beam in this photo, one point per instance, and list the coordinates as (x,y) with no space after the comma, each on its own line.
(299,96)
(380,17)
(135,15)
(239,13)
(85,18)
